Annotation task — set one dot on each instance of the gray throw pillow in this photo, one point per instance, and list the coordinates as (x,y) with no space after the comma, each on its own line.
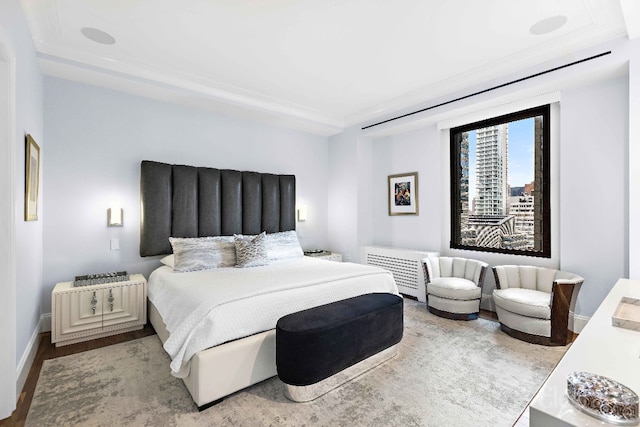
(250,250)
(202,253)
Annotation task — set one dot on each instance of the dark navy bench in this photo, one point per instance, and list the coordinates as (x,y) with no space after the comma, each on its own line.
(321,348)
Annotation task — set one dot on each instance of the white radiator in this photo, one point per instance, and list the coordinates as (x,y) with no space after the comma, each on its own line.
(404,264)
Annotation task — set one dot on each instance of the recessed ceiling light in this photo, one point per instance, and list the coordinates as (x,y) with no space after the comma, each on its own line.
(97,35)
(548,25)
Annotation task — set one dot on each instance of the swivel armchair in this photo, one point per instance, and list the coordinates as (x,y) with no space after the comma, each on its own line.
(454,286)
(533,303)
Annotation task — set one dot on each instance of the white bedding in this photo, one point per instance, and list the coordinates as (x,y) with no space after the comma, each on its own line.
(208,308)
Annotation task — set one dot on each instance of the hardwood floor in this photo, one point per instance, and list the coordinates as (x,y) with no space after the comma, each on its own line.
(45,351)
(488,315)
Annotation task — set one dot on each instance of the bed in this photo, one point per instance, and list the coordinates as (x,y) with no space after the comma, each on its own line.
(224,341)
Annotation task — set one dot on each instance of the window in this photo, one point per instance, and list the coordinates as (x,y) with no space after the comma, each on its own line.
(500,190)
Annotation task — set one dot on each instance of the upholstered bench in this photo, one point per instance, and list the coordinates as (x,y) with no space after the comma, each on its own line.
(323,347)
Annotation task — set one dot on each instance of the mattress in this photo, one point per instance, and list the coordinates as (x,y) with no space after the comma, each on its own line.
(208,308)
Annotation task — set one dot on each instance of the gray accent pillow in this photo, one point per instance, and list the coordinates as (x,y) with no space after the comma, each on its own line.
(250,250)
(202,253)
(283,245)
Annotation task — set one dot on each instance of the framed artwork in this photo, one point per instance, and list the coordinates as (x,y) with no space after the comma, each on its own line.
(403,194)
(32,179)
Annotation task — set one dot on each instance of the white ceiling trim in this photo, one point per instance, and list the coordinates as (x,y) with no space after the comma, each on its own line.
(469,113)
(188,96)
(500,110)
(234,96)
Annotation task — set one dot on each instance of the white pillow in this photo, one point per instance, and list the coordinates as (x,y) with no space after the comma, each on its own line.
(202,253)
(283,245)
(250,250)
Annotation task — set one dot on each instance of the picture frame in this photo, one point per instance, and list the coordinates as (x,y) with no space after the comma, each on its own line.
(32,179)
(403,194)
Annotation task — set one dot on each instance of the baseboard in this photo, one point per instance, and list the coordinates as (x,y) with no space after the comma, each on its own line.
(45,322)
(486,303)
(44,325)
(577,322)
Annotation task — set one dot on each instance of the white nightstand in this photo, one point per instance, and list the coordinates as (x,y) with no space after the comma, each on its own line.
(331,256)
(86,312)
(334,256)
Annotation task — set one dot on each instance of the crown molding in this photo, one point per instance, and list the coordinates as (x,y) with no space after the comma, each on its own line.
(140,81)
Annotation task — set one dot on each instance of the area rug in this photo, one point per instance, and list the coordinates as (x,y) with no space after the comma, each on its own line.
(447,373)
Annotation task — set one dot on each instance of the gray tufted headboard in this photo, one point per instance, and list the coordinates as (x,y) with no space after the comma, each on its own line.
(188,201)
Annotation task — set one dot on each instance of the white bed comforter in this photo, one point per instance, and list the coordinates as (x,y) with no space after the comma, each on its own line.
(204,309)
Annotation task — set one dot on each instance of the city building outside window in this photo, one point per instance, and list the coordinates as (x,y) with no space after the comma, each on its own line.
(500,184)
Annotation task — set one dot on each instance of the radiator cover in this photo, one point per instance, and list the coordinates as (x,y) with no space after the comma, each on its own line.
(404,264)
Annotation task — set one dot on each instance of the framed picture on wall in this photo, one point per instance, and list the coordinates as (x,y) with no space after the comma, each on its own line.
(32,179)
(403,194)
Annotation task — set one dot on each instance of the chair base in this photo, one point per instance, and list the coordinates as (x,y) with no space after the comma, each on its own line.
(533,339)
(453,316)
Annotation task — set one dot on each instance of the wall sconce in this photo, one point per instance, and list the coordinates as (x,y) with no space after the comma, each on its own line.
(114,216)
(302,213)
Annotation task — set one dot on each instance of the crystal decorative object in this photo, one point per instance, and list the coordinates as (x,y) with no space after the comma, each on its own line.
(101,278)
(603,398)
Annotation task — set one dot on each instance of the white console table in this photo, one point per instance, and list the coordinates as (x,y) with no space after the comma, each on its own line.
(600,349)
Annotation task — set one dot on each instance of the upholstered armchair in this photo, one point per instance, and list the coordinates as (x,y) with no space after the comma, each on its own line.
(533,303)
(454,286)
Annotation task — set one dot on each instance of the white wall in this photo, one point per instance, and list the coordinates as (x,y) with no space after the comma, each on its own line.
(343,188)
(414,151)
(633,162)
(96,139)
(7,226)
(590,192)
(426,150)
(27,118)
(589,197)
(593,188)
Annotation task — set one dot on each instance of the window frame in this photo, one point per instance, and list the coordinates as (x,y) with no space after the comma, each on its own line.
(456,175)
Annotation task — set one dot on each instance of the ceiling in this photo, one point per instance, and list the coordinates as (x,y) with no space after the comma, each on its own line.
(318,65)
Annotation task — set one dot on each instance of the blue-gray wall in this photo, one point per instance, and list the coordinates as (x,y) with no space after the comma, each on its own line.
(96,139)
(27,118)
(590,189)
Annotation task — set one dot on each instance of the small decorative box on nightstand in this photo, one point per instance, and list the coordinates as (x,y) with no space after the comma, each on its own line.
(81,313)
(326,255)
